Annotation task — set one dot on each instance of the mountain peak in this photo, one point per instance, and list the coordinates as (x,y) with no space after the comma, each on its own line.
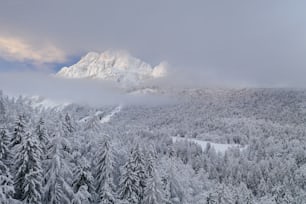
(113,65)
(116,53)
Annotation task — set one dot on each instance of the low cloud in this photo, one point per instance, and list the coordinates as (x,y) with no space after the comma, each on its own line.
(81,91)
(16,49)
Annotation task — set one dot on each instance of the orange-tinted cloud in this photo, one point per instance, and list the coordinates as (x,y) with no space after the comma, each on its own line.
(15,49)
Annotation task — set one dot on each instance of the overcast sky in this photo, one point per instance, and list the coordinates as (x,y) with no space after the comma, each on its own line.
(260,42)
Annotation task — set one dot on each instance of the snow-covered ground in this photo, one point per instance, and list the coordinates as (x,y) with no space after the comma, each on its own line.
(222,148)
(108,117)
(104,119)
(85,119)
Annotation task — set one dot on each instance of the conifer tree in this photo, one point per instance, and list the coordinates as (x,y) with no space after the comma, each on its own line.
(82,180)
(150,162)
(5,154)
(128,188)
(82,196)
(104,173)
(57,188)
(6,184)
(262,188)
(223,194)
(93,124)
(152,191)
(139,168)
(82,176)
(40,131)
(6,180)
(68,126)
(133,178)
(2,110)
(28,177)
(176,194)
(19,131)
(246,196)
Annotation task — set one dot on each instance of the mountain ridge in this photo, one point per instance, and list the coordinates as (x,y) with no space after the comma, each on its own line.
(118,66)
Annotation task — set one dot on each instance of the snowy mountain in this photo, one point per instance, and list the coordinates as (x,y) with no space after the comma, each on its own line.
(117,66)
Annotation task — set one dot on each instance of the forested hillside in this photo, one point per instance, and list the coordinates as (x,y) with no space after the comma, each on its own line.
(126,153)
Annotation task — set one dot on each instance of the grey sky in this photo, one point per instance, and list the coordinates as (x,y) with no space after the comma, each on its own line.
(260,42)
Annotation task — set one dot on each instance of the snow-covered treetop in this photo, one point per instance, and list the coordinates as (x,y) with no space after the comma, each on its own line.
(113,65)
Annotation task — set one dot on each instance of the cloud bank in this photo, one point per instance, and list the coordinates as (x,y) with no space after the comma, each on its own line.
(81,91)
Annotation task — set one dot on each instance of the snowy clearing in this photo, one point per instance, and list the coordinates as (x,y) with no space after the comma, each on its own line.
(222,148)
(104,119)
(108,117)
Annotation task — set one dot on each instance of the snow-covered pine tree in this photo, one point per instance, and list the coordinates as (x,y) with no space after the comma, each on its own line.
(173,193)
(93,125)
(104,173)
(242,195)
(6,184)
(4,150)
(107,195)
(6,180)
(41,133)
(132,181)
(19,132)
(57,187)
(223,194)
(66,143)
(82,196)
(150,162)
(175,189)
(68,126)
(2,109)
(82,178)
(248,197)
(262,188)
(139,168)
(152,191)
(28,177)
(128,187)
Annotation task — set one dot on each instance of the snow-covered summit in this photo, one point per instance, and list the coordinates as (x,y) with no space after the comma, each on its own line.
(118,66)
